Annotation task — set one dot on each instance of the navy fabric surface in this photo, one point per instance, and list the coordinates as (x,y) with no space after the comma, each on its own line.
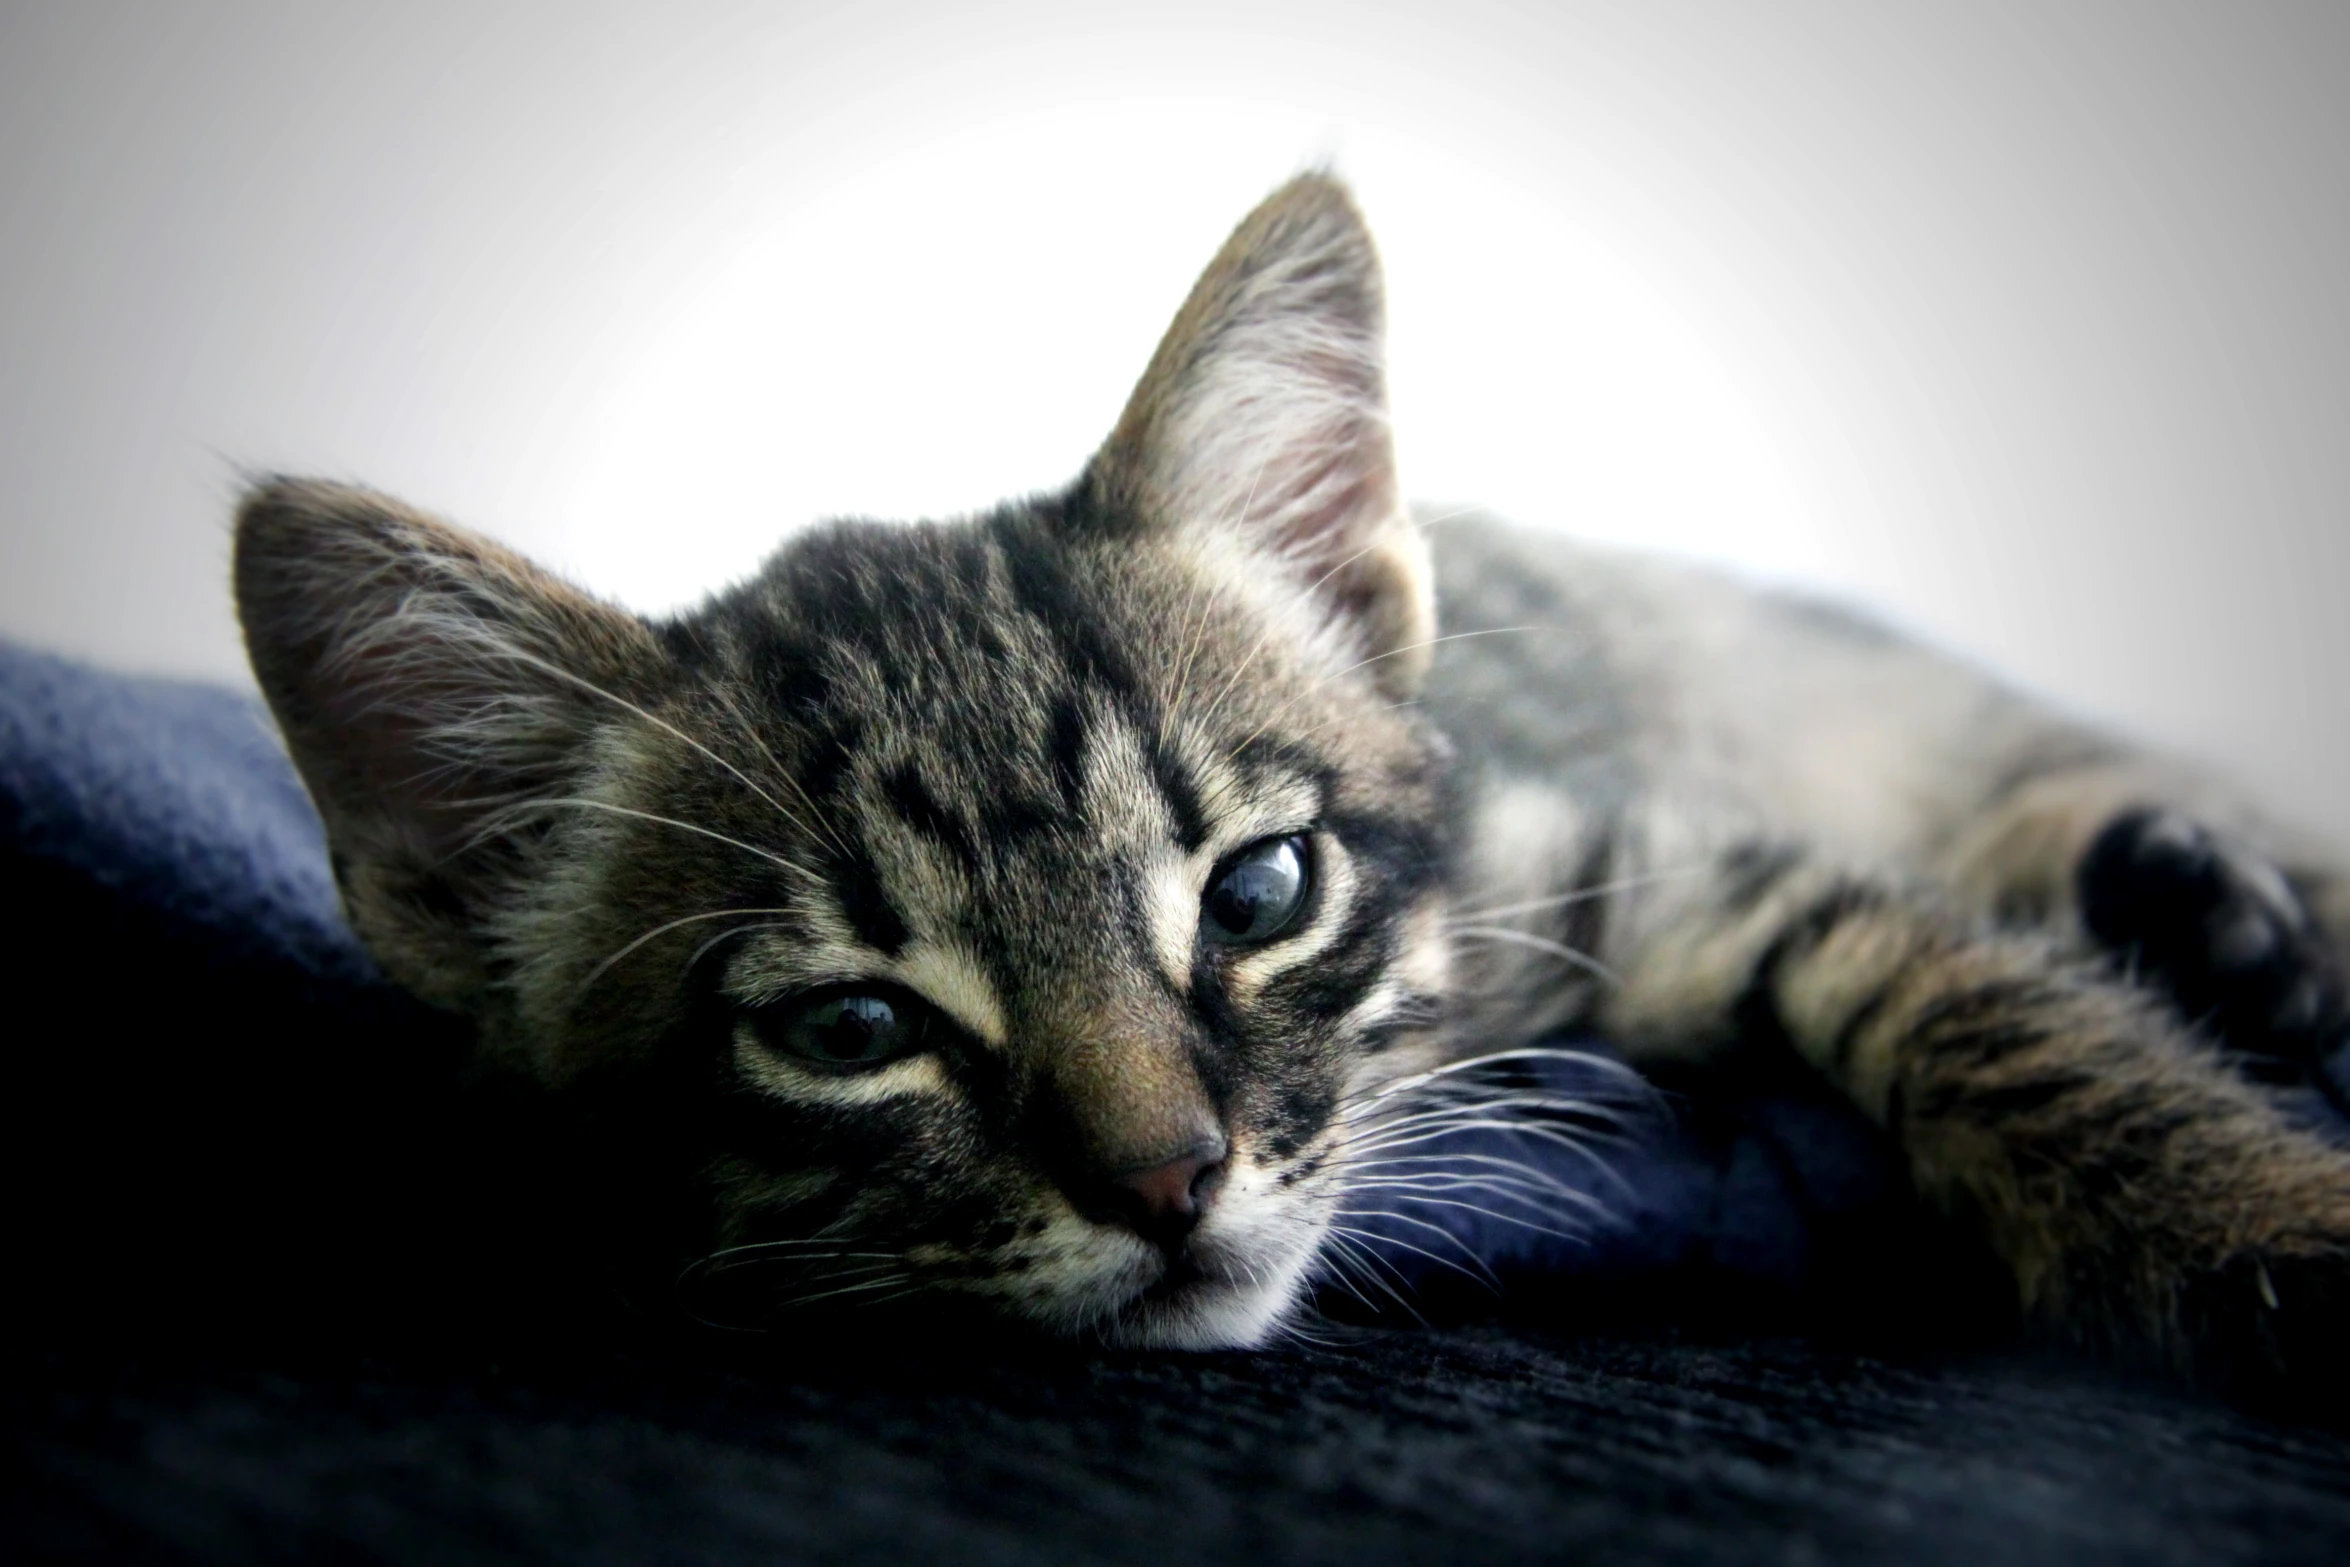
(160,831)
(171,796)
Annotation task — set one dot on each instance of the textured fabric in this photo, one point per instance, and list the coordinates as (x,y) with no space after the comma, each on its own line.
(174,798)
(1447,1446)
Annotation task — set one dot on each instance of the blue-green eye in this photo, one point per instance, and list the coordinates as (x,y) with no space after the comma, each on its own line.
(1255,894)
(845,1026)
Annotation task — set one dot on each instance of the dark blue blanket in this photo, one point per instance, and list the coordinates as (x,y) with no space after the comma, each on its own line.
(239,1088)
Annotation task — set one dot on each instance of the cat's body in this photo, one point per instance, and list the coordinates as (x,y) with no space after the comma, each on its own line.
(1054,913)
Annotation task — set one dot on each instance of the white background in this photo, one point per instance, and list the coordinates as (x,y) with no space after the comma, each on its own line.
(2026,324)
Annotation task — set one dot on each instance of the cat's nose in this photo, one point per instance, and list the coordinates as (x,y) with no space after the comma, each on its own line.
(1164,1201)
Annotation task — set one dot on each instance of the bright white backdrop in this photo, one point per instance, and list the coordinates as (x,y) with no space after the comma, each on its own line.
(2024,324)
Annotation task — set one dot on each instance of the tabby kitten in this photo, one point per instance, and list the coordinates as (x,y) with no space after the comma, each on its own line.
(1044,912)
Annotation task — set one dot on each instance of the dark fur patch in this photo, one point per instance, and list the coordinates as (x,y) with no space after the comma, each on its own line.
(909,795)
(858,882)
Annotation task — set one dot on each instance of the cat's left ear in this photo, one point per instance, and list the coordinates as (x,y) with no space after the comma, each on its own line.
(1264,414)
(431,686)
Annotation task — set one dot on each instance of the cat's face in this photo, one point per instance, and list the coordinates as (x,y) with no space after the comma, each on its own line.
(1010,911)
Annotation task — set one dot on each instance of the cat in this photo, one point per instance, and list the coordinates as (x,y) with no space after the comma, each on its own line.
(1042,914)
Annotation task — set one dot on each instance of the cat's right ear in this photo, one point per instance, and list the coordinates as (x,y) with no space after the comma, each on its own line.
(1263,418)
(431,685)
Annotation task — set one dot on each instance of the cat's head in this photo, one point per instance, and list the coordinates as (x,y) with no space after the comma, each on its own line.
(1007,911)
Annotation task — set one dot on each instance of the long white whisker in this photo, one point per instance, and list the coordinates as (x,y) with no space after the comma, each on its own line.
(1440,1185)
(1469,1117)
(1556,949)
(785,1243)
(1331,1267)
(1531,1134)
(1555,1107)
(1363,663)
(1480,1273)
(665,821)
(1506,1187)
(1455,515)
(1506,1169)
(1482,1212)
(1332,723)
(1196,642)
(1574,1147)
(816,820)
(1579,895)
(1412,1082)
(655,934)
(1265,638)
(546,667)
(1376,1270)
(732,930)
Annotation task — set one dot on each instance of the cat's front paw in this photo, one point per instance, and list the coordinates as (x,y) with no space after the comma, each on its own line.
(2223,932)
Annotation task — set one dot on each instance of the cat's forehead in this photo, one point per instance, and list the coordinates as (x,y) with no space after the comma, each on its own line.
(1014,738)
(992,654)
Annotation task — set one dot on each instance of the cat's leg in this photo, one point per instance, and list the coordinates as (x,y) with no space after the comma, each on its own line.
(2147,1199)
(2246,933)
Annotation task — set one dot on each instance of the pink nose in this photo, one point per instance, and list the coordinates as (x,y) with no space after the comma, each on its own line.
(1165,1200)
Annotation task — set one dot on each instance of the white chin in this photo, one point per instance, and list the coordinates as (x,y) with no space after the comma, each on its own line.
(1210,1313)
(1201,1316)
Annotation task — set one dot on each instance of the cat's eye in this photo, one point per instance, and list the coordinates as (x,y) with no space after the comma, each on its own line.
(845,1026)
(1256,894)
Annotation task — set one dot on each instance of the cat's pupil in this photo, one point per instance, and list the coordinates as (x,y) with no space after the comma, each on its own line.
(851,1028)
(1257,893)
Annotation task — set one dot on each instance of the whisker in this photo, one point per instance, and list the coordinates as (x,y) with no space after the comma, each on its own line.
(648,816)
(1337,1265)
(1413,1082)
(795,1302)
(817,821)
(1531,1134)
(547,667)
(1529,1114)
(780,1242)
(1557,949)
(1506,1187)
(760,1256)
(1427,1098)
(1482,1212)
(1534,1198)
(1579,895)
(1481,1274)
(1364,663)
(1196,642)
(703,950)
(1509,1170)
(1332,723)
(1455,515)
(1375,1269)
(655,934)
(744,1274)
(1265,638)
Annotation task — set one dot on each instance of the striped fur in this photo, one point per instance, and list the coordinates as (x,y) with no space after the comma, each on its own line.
(997,761)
